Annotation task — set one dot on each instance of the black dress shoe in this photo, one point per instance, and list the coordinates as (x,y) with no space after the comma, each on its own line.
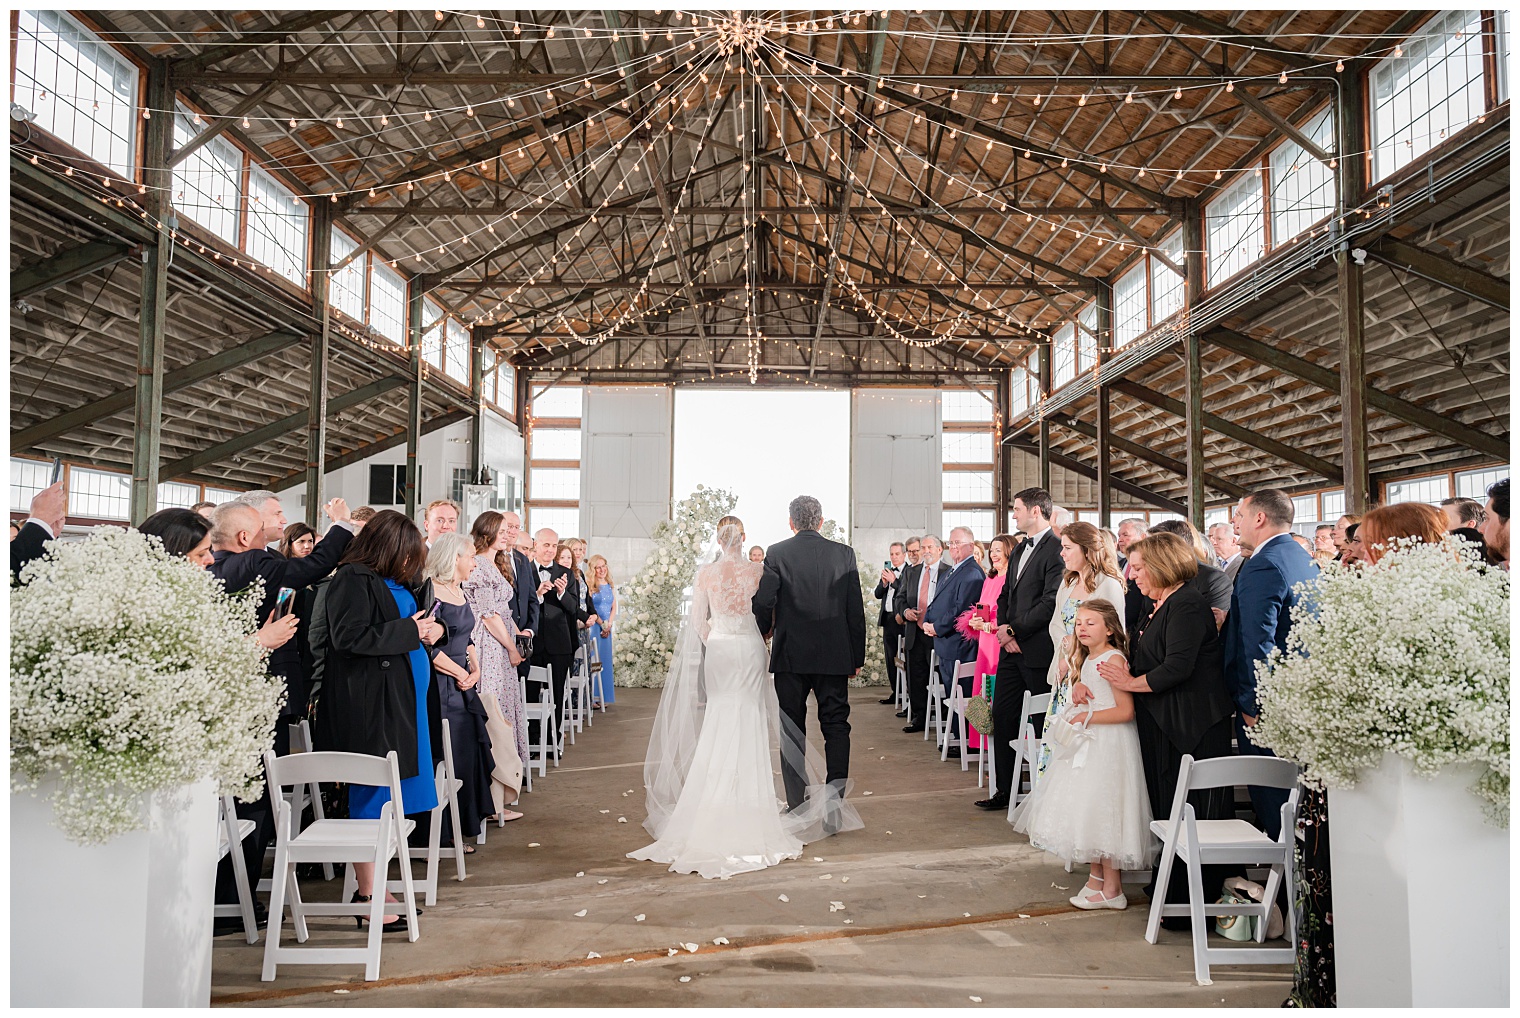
(953,753)
(902,713)
(890,699)
(996,802)
(914,728)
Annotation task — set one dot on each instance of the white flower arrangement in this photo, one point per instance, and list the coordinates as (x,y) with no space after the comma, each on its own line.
(650,612)
(874,671)
(132,672)
(1409,656)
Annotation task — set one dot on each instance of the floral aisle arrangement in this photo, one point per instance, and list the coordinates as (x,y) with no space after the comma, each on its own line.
(874,671)
(649,617)
(1409,656)
(132,672)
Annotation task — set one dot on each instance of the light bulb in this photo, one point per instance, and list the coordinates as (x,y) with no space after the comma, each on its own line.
(1340,65)
(550,33)
(1178,93)
(480,22)
(1282,79)
(1229,86)
(246,124)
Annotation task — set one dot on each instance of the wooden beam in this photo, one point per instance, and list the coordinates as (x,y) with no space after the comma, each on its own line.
(316,419)
(66,265)
(364,452)
(148,413)
(1193,284)
(221,125)
(1148,454)
(414,329)
(181,70)
(1443,271)
(1266,48)
(1119,483)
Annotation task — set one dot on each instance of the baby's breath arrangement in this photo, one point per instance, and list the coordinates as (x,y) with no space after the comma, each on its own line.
(1409,656)
(649,617)
(874,671)
(132,672)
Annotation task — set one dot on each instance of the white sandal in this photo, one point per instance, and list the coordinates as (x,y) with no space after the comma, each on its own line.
(1085,901)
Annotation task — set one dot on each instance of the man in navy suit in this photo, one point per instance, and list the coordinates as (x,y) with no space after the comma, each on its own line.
(957,591)
(1259,620)
(525,603)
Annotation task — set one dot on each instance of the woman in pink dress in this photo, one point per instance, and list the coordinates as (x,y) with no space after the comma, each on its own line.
(1000,551)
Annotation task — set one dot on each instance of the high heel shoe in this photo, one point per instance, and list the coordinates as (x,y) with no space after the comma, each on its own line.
(397,926)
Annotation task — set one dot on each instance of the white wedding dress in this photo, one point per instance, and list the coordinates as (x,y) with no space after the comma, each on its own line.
(711,771)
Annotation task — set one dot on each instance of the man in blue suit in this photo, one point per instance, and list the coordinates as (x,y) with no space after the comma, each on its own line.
(957,591)
(1260,617)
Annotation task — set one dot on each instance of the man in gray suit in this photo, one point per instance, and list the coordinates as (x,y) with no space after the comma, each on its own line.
(1227,548)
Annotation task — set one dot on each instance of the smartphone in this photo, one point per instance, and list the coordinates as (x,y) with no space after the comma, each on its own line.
(57,472)
(433,611)
(284,602)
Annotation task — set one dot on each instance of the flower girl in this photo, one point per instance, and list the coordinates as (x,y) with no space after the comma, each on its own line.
(1090,803)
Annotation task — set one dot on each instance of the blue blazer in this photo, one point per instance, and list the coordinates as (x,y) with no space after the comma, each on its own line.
(1259,614)
(954,594)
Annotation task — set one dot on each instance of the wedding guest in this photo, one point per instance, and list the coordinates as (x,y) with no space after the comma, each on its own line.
(1384,526)
(15,529)
(918,594)
(361,516)
(984,623)
(44,522)
(204,509)
(1127,533)
(456,677)
(524,544)
(1091,574)
(1226,549)
(239,533)
(1210,580)
(377,673)
(441,517)
(1496,522)
(564,556)
(1059,517)
(1324,544)
(914,551)
(1353,553)
(491,592)
(956,593)
(1025,608)
(1182,705)
(757,554)
(1266,590)
(582,590)
(886,592)
(559,613)
(1462,512)
(1340,537)
(298,541)
(517,567)
(604,600)
(1303,542)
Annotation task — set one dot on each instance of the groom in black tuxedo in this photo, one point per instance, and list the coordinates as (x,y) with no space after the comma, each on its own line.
(810,597)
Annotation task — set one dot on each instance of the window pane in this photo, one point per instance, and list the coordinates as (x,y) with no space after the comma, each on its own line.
(387,301)
(1018,391)
(1234,232)
(560,401)
(177,495)
(1302,187)
(1474,483)
(1087,337)
(1213,516)
(432,334)
(564,522)
(556,444)
(1064,352)
(1089,516)
(220,495)
(206,182)
(348,282)
(506,385)
(963,405)
(277,226)
(554,483)
(966,486)
(981,522)
(457,352)
(1306,509)
(1420,489)
(99,494)
(1333,504)
(1429,93)
(90,90)
(966,446)
(27,478)
(1157,517)
(1129,305)
(1167,286)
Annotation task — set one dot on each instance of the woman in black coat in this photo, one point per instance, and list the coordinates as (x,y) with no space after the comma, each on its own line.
(1176,673)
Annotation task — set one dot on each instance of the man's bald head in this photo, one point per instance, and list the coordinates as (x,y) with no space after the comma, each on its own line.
(236,526)
(544,543)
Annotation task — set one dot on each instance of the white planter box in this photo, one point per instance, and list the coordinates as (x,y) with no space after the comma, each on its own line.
(1419,886)
(124,924)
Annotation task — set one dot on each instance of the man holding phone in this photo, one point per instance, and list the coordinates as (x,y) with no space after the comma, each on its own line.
(559,612)
(886,593)
(44,523)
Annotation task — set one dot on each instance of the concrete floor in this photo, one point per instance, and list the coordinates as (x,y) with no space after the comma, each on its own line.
(943,904)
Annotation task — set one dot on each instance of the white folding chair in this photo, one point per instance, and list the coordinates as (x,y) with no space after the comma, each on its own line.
(1026,748)
(577,706)
(543,712)
(448,785)
(1201,843)
(598,678)
(955,707)
(901,662)
(935,700)
(229,838)
(300,797)
(346,841)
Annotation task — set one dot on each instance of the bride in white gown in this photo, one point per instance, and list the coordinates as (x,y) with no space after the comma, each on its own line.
(710,773)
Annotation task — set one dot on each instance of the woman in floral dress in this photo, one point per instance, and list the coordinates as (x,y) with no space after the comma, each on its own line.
(489,593)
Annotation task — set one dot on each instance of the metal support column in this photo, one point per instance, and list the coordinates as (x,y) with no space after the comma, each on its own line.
(477,400)
(1000,492)
(1105,345)
(1193,344)
(316,426)
(1351,178)
(148,422)
(413,395)
(1045,388)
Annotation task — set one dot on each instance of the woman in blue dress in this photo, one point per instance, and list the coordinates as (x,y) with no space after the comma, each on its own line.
(604,599)
(377,674)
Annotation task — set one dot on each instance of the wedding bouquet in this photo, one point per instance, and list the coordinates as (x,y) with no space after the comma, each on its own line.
(132,672)
(1409,656)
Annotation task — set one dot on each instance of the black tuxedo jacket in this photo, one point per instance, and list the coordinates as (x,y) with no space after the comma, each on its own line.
(558,614)
(908,586)
(524,599)
(810,596)
(1028,600)
(27,546)
(885,617)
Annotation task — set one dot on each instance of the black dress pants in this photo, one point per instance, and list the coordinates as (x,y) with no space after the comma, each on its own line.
(832,694)
(918,679)
(1014,678)
(891,632)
